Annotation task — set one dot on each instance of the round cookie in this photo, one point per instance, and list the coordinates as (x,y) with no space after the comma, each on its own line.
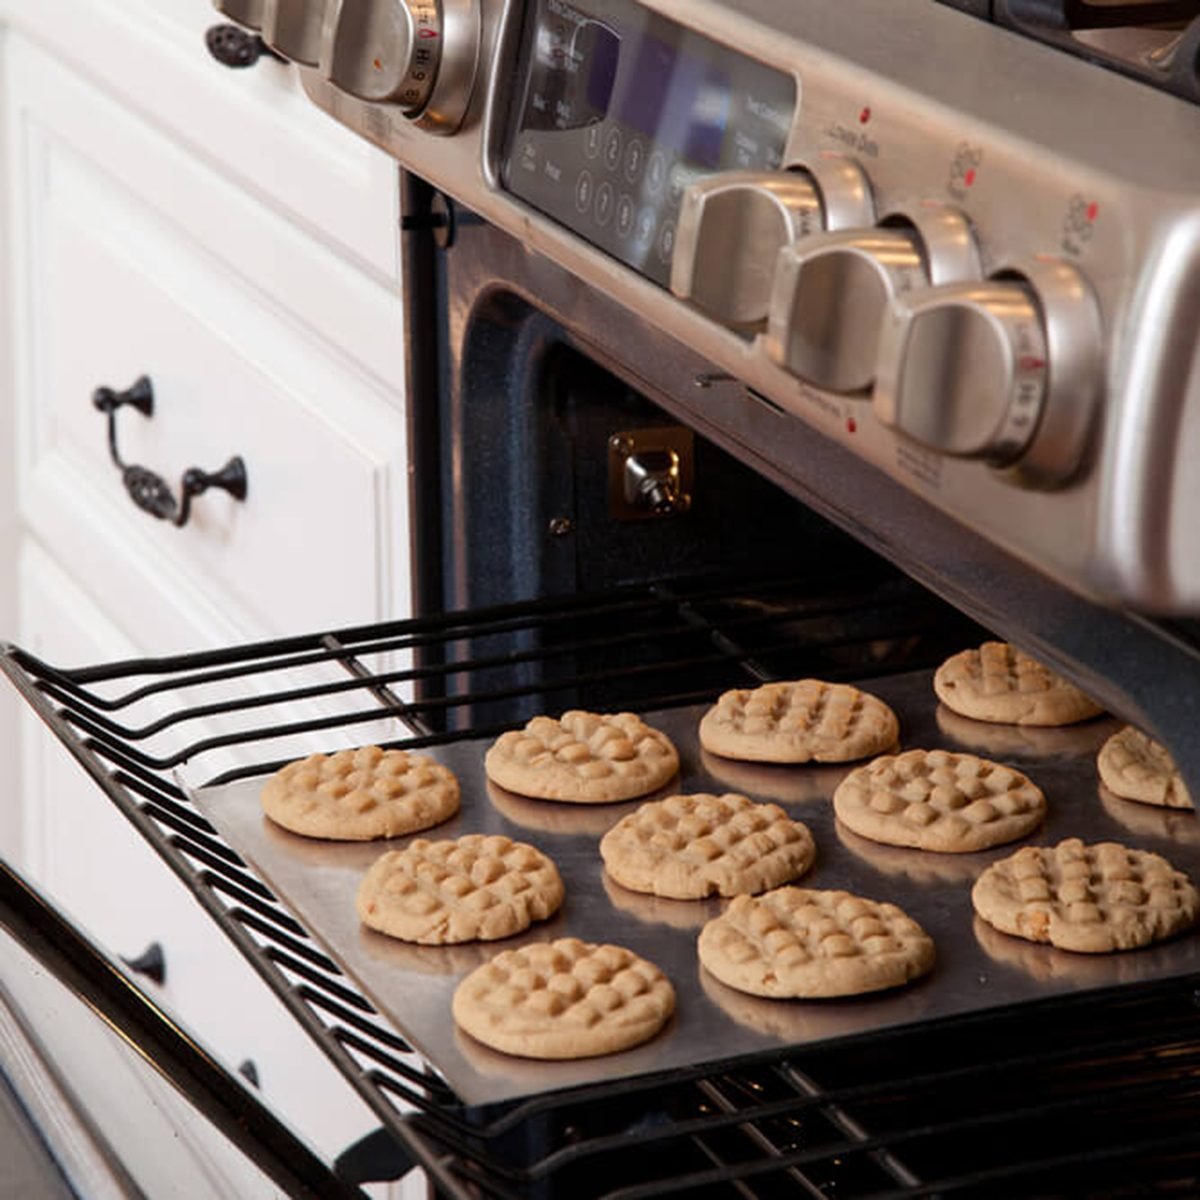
(472,888)
(564,999)
(583,758)
(359,795)
(806,720)
(1090,899)
(690,847)
(938,800)
(798,943)
(1134,766)
(999,683)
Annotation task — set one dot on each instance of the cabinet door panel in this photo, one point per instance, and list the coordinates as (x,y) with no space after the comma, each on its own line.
(110,288)
(88,857)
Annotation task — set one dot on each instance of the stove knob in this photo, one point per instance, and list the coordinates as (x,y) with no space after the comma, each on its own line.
(830,296)
(293,28)
(245,12)
(733,225)
(1004,369)
(386,51)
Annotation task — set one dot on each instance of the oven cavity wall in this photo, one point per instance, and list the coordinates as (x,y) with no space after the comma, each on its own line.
(168,217)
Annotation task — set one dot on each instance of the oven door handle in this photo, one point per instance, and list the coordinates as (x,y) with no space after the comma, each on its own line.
(80,966)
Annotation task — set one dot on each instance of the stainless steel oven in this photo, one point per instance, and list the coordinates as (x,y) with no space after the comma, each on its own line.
(745,342)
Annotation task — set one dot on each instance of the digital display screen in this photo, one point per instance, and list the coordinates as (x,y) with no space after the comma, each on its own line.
(621,109)
(680,100)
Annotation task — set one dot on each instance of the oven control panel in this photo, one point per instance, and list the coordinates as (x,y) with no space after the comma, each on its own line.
(621,113)
(965,258)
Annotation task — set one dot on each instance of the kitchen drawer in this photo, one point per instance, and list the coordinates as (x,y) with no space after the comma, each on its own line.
(95,865)
(110,286)
(255,125)
(64,134)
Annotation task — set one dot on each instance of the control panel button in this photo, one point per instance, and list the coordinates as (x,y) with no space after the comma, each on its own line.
(732,226)
(1005,369)
(829,299)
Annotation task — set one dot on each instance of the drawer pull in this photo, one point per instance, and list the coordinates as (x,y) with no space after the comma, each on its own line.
(233,46)
(146,488)
(152,963)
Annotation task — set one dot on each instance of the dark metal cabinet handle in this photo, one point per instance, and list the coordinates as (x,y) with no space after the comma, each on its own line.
(148,490)
(249,1071)
(233,46)
(152,963)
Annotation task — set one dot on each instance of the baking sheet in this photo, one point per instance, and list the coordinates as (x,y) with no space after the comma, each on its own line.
(977,968)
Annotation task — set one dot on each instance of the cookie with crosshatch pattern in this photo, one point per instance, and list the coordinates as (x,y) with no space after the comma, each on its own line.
(473,888)
(797,943)
(805,720)
(359,795)
(997,682)
(583,758)
(1133,766)
(938,800)
(689,847)
(1091,899)
(564,999)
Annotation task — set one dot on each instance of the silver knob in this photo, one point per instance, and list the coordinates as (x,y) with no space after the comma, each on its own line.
(1004,369)
(245,12)
(293,28)
(386,51)
(732,226)
(830,296)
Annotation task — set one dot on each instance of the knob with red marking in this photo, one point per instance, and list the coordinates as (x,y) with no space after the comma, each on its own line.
(386,51)
(1006,369)
(832,291)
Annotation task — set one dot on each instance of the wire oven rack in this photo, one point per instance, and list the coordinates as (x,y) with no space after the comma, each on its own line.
(1095,1095)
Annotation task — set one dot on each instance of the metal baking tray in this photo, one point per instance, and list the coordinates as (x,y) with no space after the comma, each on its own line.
(977,968)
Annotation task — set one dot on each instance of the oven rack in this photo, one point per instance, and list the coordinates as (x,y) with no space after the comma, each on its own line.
(851,1120)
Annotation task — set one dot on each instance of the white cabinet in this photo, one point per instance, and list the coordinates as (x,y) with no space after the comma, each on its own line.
(165,216)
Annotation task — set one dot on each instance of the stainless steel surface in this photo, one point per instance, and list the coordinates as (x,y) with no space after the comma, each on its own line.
(1043,155)
(383,51)
(731,229)
(829,300)
(976,969)
(244,12)
(963,369)
(294,28)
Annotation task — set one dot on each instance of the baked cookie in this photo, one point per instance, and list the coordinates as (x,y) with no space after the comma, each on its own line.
(1091,899)
(564,999)
(472,888)
(359,795)
(1134,766)
(794,942)
(997,682)
(583,758)
(798,722)
(690,847)
(937,800)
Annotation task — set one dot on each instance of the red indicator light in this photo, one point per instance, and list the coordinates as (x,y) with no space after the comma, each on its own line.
(851,425)
(1030,363)
(1093,211)
(864,116)
(969,177)
(427,33)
